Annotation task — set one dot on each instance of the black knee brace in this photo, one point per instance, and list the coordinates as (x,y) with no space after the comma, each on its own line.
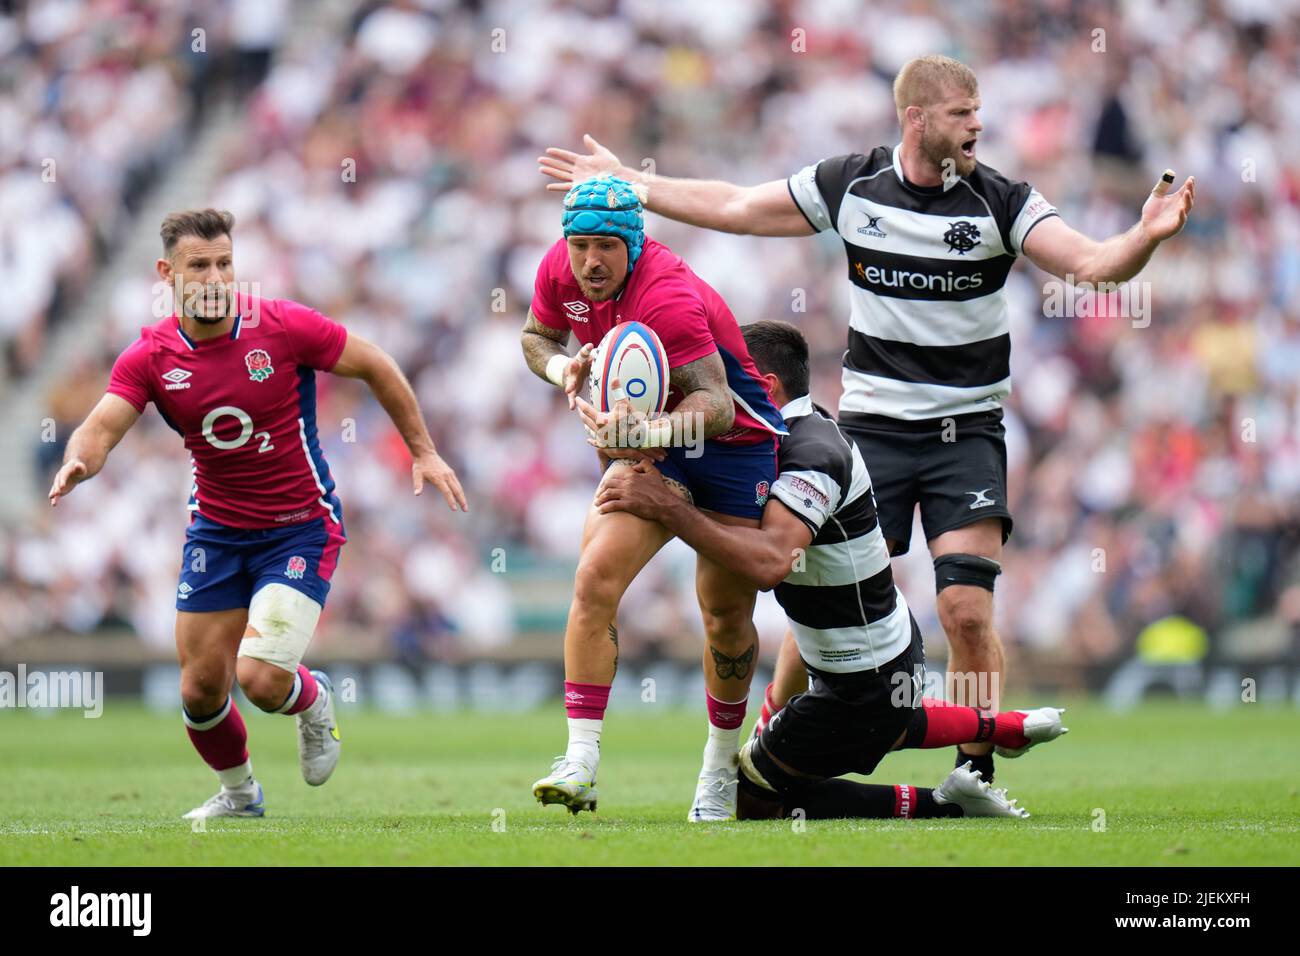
(965,569)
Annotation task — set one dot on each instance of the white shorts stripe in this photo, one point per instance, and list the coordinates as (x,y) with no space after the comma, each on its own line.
(913,401)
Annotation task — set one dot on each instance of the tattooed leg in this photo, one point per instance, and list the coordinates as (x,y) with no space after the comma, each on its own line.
(733,668)
(731,643)
(730,654)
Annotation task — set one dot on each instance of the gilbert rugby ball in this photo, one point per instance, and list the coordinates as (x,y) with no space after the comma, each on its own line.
(631,353)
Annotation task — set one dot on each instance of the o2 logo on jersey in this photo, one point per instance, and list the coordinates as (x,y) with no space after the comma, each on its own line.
(259,365)
(245,429)
(296,567)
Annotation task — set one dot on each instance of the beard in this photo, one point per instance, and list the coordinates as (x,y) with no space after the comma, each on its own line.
(606,291)
(946,154)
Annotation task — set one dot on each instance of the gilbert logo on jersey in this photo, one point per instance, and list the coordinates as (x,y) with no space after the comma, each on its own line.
(259,365)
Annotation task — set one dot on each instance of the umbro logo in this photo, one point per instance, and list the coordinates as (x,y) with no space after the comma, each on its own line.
(872,228)
(982,500)
(176,379)
(577,310)
(184,590)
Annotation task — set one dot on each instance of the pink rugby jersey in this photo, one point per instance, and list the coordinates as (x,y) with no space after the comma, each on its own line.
(245,404)
(686,313)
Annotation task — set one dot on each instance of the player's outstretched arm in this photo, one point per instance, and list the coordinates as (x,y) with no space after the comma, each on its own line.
(368,362)
(1068,254)
(767,209)
(89,445)
(763,555)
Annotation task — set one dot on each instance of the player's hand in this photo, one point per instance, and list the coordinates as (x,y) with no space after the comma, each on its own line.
(607,429)
(1164,213)
(639,490)
(605,455)
(570,168)
(431,468)
(70,475)
(576,372)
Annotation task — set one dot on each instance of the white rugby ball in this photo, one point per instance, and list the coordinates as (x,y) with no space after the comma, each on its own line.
(632,354)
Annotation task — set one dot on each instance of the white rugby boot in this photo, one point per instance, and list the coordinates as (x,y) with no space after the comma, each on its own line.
(715,795)
(967,789)
(1041,725)
(318,734)
(243,801)
(571,783)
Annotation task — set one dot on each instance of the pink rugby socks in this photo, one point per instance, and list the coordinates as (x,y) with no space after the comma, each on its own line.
(222,741)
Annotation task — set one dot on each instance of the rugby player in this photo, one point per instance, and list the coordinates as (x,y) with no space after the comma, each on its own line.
(605,271)
(235,376)
(930,234)
(820,546)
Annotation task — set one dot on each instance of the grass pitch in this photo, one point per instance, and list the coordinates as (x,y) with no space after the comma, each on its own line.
(1169,784)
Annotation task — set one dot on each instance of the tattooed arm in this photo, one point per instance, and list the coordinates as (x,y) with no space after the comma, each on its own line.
(541,343)
(707,410)
(704,383)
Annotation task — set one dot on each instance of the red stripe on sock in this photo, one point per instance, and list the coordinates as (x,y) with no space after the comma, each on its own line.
(586,701)
(1009,731)
(904,801)
(225,745)
(946,726)
(767,710)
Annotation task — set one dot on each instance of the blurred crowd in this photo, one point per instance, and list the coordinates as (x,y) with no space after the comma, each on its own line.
(96,98)
(385,174)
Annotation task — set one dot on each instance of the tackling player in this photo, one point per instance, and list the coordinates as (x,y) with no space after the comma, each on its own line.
(930,234)
(821,548)
(605,271)
(235,376)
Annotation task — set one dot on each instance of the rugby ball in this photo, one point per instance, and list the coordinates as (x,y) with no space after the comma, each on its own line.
(631,353)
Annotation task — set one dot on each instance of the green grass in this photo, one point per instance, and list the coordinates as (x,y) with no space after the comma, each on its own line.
(1178,786)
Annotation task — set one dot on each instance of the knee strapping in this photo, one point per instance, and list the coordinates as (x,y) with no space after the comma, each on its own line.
(284,620)
(971,569)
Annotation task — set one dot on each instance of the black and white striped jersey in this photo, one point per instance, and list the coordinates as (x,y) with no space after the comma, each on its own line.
(928,324)
(843,607)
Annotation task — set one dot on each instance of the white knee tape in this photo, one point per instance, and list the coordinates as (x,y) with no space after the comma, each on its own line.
(284,620)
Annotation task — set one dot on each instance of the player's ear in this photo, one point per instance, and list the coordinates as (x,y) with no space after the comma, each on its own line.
(164,269)
(773,383)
